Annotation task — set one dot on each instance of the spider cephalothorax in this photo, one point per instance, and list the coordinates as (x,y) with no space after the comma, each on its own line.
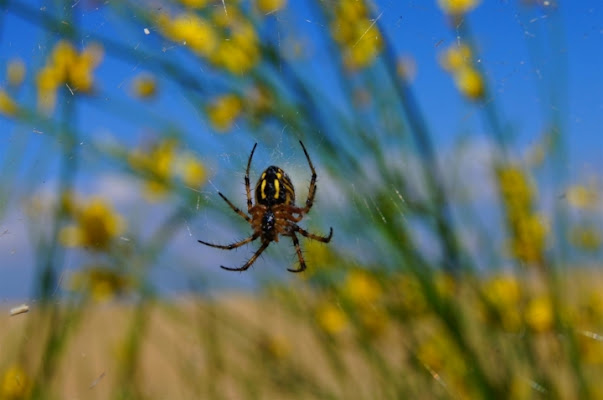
(274,212)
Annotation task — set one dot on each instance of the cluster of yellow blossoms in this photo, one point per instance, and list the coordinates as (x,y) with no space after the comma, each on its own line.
(163,164)
(95,225)
(8,107)
(269,6)
(439,354)
(264,6)
(458,61)
(508,308)
(223,111)
(457,8)
(331,318)
(101,283)
(65,66)
(15,383)
(228,41)
(359,37)
(528,229)
(361,298)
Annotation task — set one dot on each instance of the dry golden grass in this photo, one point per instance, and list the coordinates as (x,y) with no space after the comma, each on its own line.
(270,346)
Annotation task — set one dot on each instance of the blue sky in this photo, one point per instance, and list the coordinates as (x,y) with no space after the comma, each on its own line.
(514,42)
(537,61)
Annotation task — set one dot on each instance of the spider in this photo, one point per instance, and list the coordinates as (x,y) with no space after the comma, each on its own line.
(274,212)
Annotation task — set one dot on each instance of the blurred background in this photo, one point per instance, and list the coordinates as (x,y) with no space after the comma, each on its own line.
(458,157)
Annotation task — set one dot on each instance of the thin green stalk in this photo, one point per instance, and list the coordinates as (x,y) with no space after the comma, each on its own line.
(453,259)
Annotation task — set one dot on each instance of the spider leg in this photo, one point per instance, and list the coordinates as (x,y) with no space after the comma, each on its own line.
(324,239)
(287,213)
(251,260)
(233,245)
(247,184)
(312,189)
(235,208)
(302,262)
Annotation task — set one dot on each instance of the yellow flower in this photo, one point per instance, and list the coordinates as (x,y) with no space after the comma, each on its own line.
(233,58)
(470,83)
(539,314)
(319,255)
(66,67)
(439,353)
(194,31)
(79,71)
(269,6)
(332,319)
(591,348)
(583,197)
(92,55)
(48,80)
(529,238)
(351,10)
(163,164)
(191,170)
(239,51)
(100,283)
(457,7)
(62,57)
(80,77)
(224,111)
(455,57)
(457,60)
(359,38)
(363,53)
(8,107)
(360,287)
(586,237)
(144,86)
(503,293)
(159,165)
(228,41)
(528,230)
(96,225)
(275,346)
(513,183)
(15,72)
(15,384)
(521,387)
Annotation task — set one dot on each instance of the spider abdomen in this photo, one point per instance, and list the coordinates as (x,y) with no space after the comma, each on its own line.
(274,187)
(268,224)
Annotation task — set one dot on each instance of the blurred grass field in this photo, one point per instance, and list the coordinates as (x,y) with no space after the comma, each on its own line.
(288,343)
(465,261)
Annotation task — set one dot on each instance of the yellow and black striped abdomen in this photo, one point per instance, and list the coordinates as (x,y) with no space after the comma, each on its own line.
(274,187)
